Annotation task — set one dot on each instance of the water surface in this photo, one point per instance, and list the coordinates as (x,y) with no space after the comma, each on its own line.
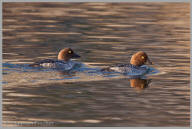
(103,34)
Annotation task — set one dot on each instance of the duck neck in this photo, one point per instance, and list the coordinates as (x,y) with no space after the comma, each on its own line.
(63,59)
(136,62)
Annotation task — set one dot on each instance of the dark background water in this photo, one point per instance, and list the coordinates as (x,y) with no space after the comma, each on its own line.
(103,34)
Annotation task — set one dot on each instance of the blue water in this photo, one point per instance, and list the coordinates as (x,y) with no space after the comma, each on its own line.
(88,71)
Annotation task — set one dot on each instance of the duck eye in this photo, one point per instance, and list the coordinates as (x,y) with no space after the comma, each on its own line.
(69,52)
(142,57)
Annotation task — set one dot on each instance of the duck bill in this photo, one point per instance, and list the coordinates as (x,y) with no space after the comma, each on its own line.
(75,56)
(149,62)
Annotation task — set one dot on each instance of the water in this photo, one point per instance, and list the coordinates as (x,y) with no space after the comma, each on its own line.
(103,34)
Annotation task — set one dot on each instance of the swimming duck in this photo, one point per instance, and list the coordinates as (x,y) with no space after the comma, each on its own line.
(63,61)
(136,66)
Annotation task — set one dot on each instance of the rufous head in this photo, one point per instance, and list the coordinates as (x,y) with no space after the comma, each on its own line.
(140,58)
(66,54)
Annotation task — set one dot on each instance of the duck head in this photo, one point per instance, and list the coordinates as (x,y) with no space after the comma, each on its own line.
(140,58)
(66,54)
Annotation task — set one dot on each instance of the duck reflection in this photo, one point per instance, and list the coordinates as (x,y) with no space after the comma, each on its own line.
(139,83)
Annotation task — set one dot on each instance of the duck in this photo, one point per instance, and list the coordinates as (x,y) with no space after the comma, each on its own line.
(62,62)
(135,67)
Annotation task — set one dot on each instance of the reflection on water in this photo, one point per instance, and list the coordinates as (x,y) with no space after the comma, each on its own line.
(103,34)
(27,74)
(139,84)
